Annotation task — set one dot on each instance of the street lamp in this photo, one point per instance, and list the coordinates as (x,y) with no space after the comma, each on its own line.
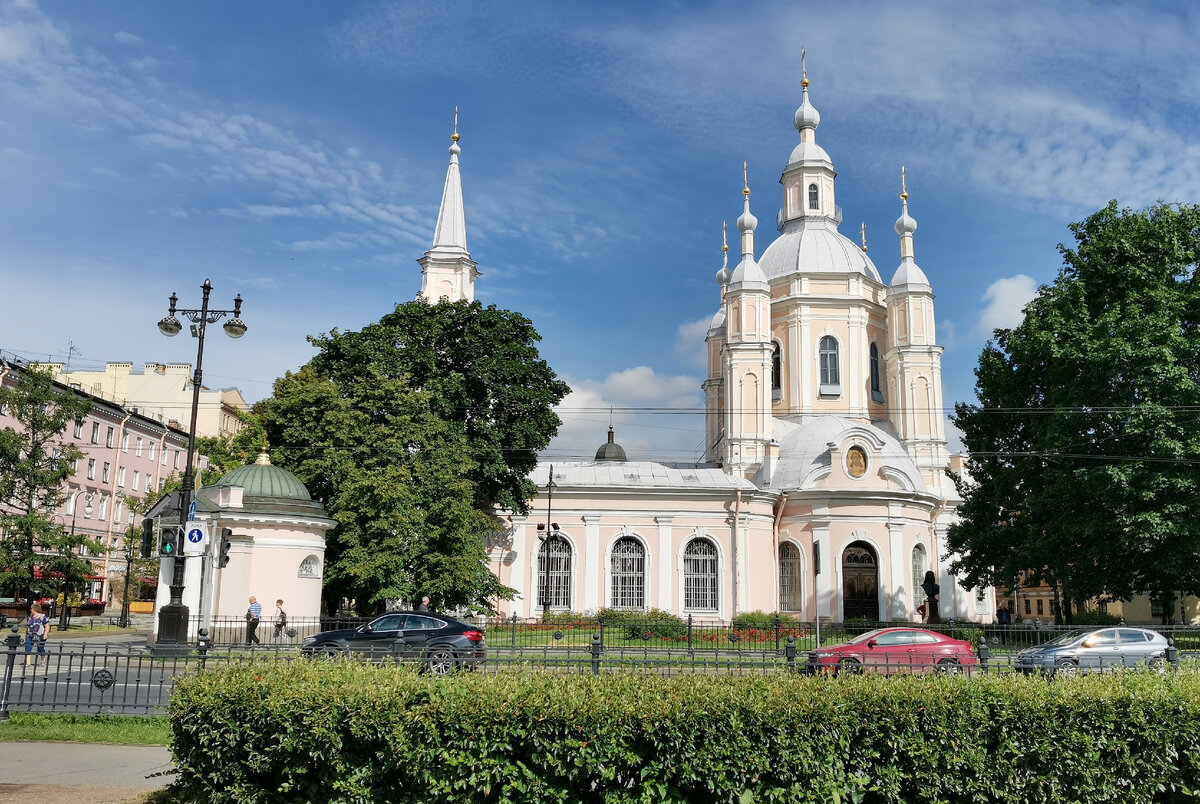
(173,617)
(64,613)
(545,534)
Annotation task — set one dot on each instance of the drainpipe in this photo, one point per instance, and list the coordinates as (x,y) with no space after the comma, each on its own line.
(737,518)
(112,498)
(779,506)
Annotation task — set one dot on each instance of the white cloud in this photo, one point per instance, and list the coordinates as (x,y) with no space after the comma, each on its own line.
(1006,300)
(126,38)
(13,152)
(690,346)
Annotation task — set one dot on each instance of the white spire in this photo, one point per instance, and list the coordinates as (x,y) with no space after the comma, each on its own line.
(451,230)
(909,273)
(447,269)
(747,272)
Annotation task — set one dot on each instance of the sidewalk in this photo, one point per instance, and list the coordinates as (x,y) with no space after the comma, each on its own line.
(80,772)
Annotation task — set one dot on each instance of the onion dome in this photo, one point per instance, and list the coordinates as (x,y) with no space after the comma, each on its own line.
(611,451)
(909,274)
(747,275)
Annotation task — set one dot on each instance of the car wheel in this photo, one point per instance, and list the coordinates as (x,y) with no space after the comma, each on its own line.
(439,661)
(949,667)
(1067,668)
(849,667)
(1158,664)
(327,652)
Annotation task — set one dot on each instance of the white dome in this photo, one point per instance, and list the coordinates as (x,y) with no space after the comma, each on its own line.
(909,275)
(814,245)
(804,450)
(717,323)
(809,153)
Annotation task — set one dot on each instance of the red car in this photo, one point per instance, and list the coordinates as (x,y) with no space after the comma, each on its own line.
(895,650)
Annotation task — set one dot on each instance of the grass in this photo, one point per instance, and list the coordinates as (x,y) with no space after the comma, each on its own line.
(118,730)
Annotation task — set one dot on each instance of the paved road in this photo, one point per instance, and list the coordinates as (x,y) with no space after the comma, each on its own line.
(80,773)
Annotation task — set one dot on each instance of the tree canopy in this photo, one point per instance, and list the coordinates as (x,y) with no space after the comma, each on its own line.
(1084,444)
(37,551)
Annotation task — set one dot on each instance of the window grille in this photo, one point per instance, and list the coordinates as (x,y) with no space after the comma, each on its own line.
(628,574)
(791,575)
(559,573)
(918,574)
(700,576)
(310,567)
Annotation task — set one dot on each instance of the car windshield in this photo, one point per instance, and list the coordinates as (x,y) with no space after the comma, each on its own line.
(861,638)
(1063,639)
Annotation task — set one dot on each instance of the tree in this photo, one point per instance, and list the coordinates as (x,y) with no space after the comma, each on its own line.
(480,369)
(395,477)
(229,451)
(1084,446)
(37,553)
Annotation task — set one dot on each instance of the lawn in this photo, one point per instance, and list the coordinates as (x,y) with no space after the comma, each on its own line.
(114,729)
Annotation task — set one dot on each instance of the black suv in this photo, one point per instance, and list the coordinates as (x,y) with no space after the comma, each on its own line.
(440,643)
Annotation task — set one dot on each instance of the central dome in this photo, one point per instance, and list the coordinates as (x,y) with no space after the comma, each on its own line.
(815,246)
(261,479)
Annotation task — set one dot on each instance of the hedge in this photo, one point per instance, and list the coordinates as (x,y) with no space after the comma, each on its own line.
(343,731)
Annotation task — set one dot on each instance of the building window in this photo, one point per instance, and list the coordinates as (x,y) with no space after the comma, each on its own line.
(628,574)
(876,389)
(1027,606)
(791,578)
(124,442)
(91,473)
(310,567)
(814,198)
(71,503)
(556,552)
(176,459)
(137,477)
(700,577)
(1156,607)
(164,456)
(117,511)
(150,454)
(103,512)
(95,432)
(776,370)
(105,471)
(108,439)
(830,378)
(149,482)
(79,428)
(121,477)
(919,565)
(137,448)
(1039,607)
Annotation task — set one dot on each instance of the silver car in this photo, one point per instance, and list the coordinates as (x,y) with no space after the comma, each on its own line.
(1096,650)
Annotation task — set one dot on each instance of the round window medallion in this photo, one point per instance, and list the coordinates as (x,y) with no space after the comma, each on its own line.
(856,461)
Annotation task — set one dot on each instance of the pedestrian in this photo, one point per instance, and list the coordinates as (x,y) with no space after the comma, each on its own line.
(1003,618)
(35,633)
(280,621)
(253,615)
(930,585)
(424,604)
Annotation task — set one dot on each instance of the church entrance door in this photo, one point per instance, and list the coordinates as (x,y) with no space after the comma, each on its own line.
(860,582)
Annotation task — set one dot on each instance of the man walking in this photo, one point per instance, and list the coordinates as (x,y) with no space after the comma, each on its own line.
(253,615)
(1003,618)
(280,621)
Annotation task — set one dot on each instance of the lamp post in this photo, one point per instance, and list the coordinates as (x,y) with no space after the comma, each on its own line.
(65,612)
(173,617)
(545,533)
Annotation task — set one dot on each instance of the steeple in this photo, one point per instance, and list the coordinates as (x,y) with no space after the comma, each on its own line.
(448,270)
(747,274)
(808,177)
(909,273)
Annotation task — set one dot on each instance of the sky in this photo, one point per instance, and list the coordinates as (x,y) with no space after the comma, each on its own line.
(294,153)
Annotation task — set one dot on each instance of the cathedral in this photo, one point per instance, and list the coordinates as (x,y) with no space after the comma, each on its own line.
(824,489)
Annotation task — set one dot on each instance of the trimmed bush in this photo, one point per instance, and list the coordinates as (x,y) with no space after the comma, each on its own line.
(1094,618)
(634,624)
(344,731)
(762,620)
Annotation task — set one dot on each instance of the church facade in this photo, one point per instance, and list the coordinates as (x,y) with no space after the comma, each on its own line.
(824,489)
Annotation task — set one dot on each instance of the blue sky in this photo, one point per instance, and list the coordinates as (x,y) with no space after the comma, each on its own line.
(294,153)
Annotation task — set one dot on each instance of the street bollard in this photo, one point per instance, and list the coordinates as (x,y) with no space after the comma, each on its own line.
(790,652)
(596,648)
(514,630)
(985,653)
(1172,653)
(11,642)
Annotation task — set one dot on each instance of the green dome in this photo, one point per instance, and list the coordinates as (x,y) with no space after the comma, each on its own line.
(261,479)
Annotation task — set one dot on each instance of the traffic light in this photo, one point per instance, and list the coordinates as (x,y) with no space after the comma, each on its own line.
(147,537)
(168,540)
(223,556)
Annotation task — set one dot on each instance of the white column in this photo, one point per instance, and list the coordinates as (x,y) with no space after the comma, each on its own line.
(666,563)
(897,563)
(522,606)
(827,577)
(592,571)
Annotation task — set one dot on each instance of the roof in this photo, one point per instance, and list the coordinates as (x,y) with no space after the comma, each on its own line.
(261,479)
(814,245)
(638,475)
(805,456)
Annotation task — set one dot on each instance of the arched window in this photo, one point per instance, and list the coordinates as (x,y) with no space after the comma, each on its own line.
(830,378)
(628,574)
(310,567)
(813,197)
(876,390)
(918,574)
(776,370)
(700,577)
(791,575)
(557,552)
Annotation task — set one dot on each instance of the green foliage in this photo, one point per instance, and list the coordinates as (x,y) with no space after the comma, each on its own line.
(36,459)
(1094,618)
(481,371)
(567,618)
(227,452)
(762,620)
(635,624)
(394,476)
(344,731)
(1084,441)
(114,729)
